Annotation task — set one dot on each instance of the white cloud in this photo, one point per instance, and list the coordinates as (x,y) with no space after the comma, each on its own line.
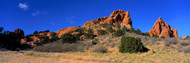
(38,13)
(23,6)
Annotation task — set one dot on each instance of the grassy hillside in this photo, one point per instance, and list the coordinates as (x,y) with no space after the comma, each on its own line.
(161,50)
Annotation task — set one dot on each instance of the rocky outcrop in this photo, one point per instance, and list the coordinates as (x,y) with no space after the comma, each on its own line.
(163,29)
(66,30)
(175,34)
(183,37)
(44,34)
(118,16)
(19,33)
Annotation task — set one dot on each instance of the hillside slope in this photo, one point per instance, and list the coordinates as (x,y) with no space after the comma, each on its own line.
(159,53)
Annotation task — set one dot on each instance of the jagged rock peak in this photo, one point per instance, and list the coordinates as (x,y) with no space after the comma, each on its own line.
(163,29)
(118,16)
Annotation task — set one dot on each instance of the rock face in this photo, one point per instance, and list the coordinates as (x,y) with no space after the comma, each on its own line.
(163,29)
(118,16)
(44,34)
(19,32)
(65,30)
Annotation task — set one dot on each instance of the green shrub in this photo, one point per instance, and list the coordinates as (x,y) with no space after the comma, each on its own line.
(110,29)
(119,33)
(111,23)
(94,42)
(125,29)
(89,35)
(118,25)
(104,25)
(77,35)
(43,40)
(132,30)
(162,37)
(145,34)
(92,36)
(155,36)
(90,31)
(138,31)
(101,32)
(80,30)
(131,45)
(68,38)
(53,36)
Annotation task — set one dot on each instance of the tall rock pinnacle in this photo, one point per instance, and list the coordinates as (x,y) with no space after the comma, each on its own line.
(163,29)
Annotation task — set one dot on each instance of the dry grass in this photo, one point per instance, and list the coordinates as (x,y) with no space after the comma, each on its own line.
(159,53)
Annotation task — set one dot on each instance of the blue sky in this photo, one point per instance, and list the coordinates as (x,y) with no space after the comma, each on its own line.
(40,15)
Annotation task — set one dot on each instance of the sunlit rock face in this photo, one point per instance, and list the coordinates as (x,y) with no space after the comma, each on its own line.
(163,29)
(118,16)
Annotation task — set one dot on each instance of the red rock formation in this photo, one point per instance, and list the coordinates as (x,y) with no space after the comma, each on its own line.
(127,20)
(175,34)
(94,22)
(66,30)
(162,28)
(44,34)
(19,32)
(118,16)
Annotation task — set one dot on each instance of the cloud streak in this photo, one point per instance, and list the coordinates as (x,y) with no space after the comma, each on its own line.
(38,13)
(23,6)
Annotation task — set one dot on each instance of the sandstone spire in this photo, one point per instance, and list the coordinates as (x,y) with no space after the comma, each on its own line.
(162,28)
(127,20)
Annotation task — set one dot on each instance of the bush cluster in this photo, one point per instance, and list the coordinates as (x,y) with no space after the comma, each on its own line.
(94,42)
(119,33)
(155,36)
(110,29)
(131,45)
(89,34)
(138,31)
(125,29)
(43,40)
(106,25)
(118,25)
(68,38)
(53,36)
(11,41)
(80,30)
(101,32)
